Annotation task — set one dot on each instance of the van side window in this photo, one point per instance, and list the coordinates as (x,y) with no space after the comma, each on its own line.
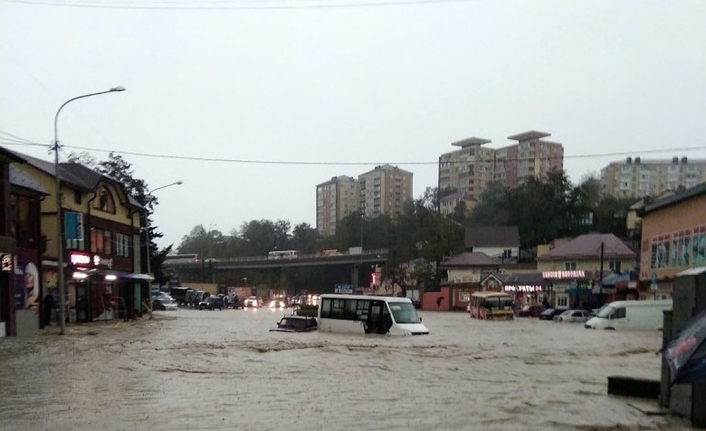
(619,313)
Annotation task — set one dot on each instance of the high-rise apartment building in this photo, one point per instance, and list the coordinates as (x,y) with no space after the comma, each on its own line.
(531,157)
(474,166)
(384,190)
(637,177)
(335,199)
(468,170)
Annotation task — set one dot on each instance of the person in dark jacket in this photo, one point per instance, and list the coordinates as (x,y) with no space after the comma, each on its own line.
(49,303)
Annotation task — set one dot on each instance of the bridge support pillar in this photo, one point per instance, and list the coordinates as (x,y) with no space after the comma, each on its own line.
(354,275)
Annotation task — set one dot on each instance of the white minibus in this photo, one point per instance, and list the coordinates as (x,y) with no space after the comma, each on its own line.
(363,314)
(631,315)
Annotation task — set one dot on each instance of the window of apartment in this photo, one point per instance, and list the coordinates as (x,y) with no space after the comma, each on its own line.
(570,266)
(23,214)
(614,265)
(122,245)
(104,201)
(77,197)
(101,241)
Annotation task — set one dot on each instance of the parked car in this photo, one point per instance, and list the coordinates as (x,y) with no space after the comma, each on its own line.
(252,301)
(164,304)
(549,313)
(530,310)
(211,303)
(573,316)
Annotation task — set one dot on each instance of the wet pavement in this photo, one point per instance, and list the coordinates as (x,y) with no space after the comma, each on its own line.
(224,370)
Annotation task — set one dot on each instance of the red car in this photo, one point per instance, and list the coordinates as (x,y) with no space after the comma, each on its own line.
(530,310)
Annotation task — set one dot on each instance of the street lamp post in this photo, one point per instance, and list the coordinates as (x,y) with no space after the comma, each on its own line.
(59,225)
(148,256)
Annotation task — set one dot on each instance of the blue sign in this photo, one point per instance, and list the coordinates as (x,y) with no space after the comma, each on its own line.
(73,225)
(343,288)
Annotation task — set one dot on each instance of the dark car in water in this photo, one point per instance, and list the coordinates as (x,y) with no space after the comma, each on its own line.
(211,303)
(295,324)
(530,310)
(549,313)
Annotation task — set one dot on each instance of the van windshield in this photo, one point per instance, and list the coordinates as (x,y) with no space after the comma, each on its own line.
(404,312)
(606,312)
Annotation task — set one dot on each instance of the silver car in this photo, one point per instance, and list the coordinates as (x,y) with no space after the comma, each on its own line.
(573,316)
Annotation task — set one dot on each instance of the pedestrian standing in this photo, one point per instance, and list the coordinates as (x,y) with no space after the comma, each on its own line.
(49,304)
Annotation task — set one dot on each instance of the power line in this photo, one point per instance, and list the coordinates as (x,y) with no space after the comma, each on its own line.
(233,6)
(323,163)
(17,140)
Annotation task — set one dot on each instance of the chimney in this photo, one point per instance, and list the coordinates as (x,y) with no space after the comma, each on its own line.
(628,160)
(637,160)
(675,160)
(683,160)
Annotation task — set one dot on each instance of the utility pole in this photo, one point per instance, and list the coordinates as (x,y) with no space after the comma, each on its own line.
(600,303)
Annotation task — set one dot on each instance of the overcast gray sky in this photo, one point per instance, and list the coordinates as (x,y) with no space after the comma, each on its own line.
(391,83)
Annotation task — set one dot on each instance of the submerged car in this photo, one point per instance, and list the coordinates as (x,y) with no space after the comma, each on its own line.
(296,324)
(530,310)
(211,303)
(573,316)
(164,304)
(549,313)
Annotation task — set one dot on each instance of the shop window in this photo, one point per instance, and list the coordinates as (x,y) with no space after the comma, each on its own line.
(101,241)
(22,220)
(562,300)
(122,245)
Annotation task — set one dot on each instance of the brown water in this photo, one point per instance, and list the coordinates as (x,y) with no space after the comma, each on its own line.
(213,370)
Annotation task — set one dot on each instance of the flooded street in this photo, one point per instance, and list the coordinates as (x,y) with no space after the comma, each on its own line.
(224,370)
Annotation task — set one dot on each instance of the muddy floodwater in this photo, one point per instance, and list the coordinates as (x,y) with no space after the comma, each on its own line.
(224,370)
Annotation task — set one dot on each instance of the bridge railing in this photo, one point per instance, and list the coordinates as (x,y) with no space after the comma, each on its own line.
(340,255)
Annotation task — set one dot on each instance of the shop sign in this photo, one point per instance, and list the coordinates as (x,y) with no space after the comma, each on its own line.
(523,288)
(100,262)
(79,259)
(561,275)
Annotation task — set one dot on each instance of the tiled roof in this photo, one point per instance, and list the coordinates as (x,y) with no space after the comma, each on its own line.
(469,259)
(588,246)
(492,236)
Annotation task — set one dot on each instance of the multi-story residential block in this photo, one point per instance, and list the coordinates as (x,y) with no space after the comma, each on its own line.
(384,190)
(531,157)
(468,170)
(636,178)
(335,199)
(474,166)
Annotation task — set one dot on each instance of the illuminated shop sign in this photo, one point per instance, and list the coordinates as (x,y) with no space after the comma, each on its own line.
(560,275)
(524,288)
(77,258)
(100,262)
